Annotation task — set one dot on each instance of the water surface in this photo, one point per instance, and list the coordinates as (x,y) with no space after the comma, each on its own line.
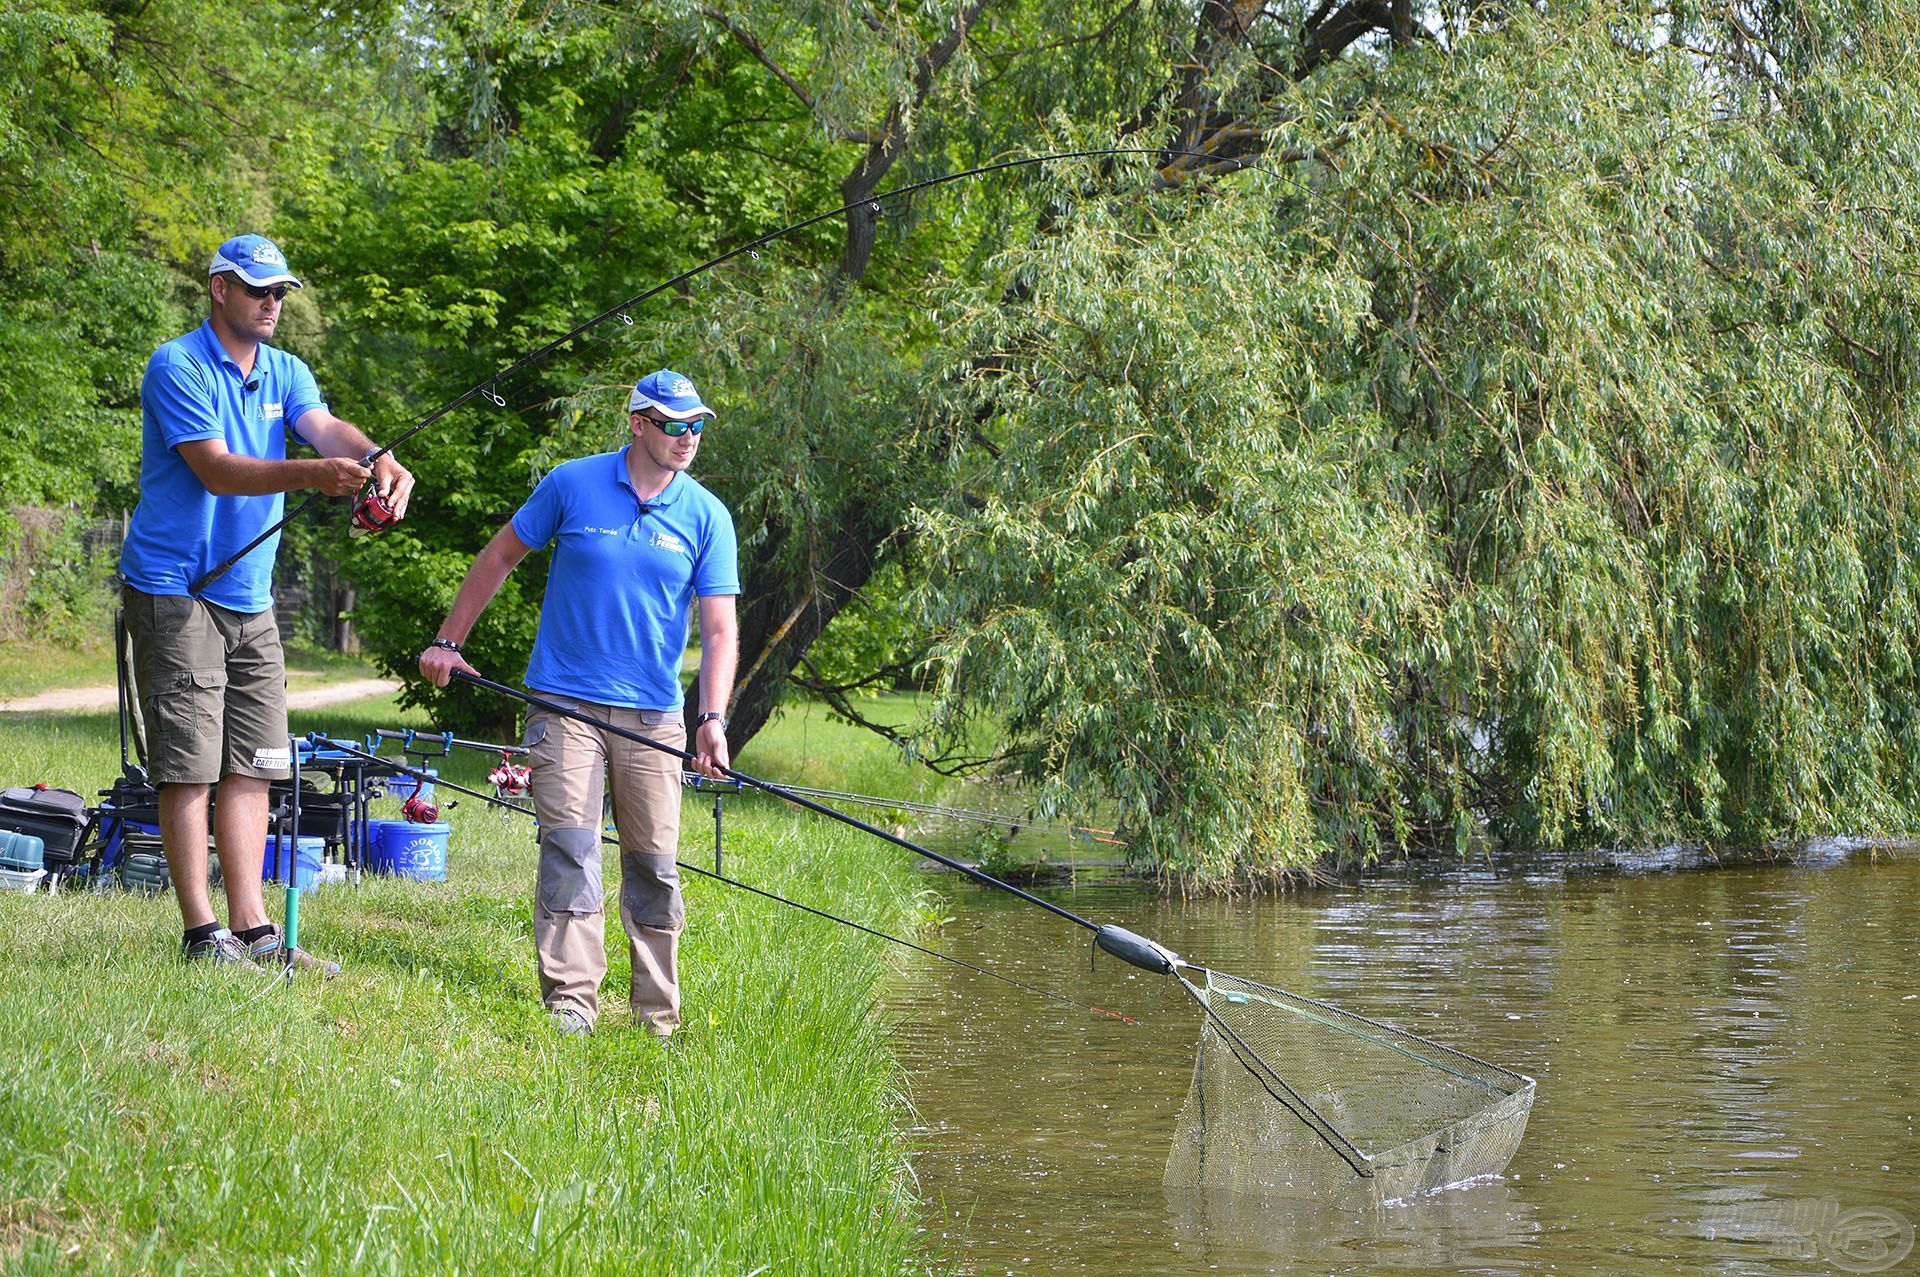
(1725,1061)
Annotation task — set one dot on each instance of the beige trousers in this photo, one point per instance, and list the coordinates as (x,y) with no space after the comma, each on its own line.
(572,763)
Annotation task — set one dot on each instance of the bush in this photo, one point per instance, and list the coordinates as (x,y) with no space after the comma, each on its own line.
(56,575)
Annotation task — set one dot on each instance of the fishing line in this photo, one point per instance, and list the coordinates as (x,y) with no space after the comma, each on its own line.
(488,387)
(420,775)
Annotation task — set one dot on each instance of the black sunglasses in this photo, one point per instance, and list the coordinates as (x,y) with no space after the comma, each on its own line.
(277,291)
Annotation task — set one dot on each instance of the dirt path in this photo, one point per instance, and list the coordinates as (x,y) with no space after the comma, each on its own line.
(86,699)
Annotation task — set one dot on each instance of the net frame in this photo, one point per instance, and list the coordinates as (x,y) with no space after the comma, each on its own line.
(1370,1109)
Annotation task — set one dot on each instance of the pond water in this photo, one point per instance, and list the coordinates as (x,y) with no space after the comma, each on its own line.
(1725,1058)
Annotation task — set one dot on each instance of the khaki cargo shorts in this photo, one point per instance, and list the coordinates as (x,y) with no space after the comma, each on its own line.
(213,689)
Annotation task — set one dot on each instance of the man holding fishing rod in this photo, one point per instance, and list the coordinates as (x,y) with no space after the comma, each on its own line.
(218,405)
(636,540)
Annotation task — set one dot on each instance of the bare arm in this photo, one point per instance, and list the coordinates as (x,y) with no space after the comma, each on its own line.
(489,570)
(336,472)
(226,474)
(719,658)
(334,438)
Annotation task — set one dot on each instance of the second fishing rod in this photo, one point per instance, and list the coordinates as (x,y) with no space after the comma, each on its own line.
(1118,941)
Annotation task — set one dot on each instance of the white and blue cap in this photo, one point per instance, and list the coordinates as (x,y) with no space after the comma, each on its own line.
(254,258)
(668,393)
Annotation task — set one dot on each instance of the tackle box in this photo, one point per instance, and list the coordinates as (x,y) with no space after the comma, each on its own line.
(21,853)
(57,817)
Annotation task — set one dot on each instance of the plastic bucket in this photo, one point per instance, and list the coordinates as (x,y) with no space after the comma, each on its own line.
(21,879)
(22,853)
(407,850)
(280,849)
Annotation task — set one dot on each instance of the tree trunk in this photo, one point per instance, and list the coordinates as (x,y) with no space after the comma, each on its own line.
(782,612)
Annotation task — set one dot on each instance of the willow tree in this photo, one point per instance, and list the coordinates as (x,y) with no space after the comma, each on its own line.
(1535,454)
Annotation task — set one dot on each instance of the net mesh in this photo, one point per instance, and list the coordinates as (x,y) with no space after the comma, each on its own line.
(1298,1098)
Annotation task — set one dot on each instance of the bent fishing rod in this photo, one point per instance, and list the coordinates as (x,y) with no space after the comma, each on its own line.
(1123,944)
(419,774)
(487,387)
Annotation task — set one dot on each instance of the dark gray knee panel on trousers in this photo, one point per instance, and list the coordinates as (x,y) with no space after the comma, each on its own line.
(650,889)
(570,870)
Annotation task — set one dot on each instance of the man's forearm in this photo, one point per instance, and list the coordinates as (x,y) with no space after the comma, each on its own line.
(719,660)
(340,438)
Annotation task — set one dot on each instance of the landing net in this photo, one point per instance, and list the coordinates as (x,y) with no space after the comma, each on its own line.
(1296,1098)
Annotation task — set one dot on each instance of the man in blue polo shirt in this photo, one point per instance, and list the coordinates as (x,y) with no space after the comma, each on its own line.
(635,541)
(218,406)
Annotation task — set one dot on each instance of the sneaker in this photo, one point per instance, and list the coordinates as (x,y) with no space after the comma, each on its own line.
(569,1023)
(222,948)
(266,952)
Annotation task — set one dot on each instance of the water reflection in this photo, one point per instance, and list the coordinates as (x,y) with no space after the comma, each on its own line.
(1724,1059)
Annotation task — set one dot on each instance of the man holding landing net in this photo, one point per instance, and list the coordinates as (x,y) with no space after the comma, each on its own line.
(635,541)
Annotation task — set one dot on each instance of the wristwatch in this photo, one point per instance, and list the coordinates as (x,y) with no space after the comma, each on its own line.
(447,643)
(713,716)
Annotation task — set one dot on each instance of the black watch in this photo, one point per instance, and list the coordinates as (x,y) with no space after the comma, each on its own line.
(447,643)
(711,716)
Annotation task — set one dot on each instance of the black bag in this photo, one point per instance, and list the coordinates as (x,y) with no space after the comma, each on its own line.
(55,816)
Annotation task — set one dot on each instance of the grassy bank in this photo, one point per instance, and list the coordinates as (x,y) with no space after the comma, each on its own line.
(416,1115)
(39,665)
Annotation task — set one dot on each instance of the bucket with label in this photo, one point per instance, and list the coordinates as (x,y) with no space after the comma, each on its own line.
(408,850)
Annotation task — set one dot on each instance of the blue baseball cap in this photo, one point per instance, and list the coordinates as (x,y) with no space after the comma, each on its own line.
(670,393)
(254,258)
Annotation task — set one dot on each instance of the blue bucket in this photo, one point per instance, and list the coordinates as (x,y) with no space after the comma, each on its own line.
(280,848)
(407,850)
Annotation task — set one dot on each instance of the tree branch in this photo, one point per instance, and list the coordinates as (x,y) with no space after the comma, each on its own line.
(746,40)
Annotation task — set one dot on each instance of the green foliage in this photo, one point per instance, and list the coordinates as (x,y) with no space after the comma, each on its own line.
(872,645)
(52,586)
(1544,462)
(132,145)
(1533,453)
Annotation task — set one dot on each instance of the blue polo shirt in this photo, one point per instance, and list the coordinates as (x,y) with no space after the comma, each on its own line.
(194,390)
(613,627)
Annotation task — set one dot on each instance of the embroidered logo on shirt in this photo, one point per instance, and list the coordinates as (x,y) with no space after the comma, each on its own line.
(273,410)
(605,532)
(668,541)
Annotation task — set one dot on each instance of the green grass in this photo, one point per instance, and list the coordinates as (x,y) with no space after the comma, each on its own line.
(29,666)
(416,1115)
